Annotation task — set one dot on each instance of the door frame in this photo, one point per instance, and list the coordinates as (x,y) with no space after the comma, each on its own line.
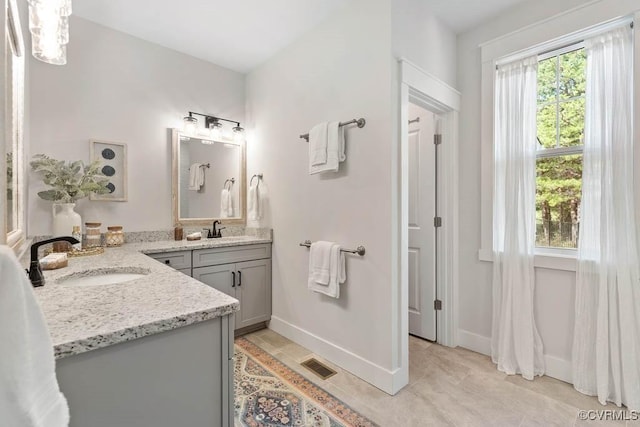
(421,88)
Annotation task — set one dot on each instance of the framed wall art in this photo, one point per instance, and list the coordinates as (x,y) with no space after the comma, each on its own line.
(113,163)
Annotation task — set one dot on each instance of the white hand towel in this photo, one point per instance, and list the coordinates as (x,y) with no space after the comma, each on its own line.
(318,144)
(254,202)
(335,150)
(230,202)
(337,274)
(320,262)
(29,391)
(196,177)
(224,203)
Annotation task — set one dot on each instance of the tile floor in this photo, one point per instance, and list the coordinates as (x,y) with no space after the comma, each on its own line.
(448,387)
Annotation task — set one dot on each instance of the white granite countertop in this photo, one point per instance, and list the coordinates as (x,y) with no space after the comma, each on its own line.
(84,318)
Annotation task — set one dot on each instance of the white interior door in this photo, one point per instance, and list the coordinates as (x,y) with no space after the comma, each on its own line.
(422,233)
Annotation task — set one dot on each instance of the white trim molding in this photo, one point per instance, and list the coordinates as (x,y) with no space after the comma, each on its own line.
(419,87)
(378,376)
(555,367)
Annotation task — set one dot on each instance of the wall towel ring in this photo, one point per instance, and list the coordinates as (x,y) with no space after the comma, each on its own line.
(230,181)
(259,176)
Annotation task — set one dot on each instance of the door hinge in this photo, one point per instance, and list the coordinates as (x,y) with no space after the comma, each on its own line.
(437,139)
(437,304)
(437,221)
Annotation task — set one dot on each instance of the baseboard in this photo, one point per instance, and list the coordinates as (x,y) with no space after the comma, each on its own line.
(478,343)
(555,367)
(559,369)
(384,379)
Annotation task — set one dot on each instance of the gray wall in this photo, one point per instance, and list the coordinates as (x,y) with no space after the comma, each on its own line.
(116,87)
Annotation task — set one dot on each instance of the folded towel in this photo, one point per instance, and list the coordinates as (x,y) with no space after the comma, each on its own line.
(196,177)
(320,262)
(29,391)
(337,274)
(318,144)
(226,204)
(335,150)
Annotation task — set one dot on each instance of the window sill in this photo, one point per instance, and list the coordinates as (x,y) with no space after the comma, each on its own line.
(547,260)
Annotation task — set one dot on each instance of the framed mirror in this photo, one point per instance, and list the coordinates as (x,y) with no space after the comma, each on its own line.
(13,118)
(209,180)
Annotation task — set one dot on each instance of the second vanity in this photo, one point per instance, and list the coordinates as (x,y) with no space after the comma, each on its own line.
(156,350)
(242,271)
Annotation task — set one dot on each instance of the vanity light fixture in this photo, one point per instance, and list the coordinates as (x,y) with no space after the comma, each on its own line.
(238,133)
(213,126)
(190,124)
(215,129)
(49,27)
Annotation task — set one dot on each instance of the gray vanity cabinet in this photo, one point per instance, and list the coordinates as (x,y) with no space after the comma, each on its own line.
(248,280)
(180,260)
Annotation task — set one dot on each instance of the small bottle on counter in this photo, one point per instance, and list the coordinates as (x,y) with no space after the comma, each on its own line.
(93,236)
(178,233)
(77,234)
(114,236)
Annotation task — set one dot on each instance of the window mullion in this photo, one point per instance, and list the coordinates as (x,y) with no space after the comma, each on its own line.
(557,101)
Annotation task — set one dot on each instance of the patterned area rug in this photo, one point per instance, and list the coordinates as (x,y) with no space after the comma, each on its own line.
(268,393)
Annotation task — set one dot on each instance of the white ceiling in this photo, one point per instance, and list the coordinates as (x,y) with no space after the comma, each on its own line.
(241,34)
(463,15)
(237,34)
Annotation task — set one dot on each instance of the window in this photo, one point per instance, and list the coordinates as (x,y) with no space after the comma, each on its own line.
(560,129)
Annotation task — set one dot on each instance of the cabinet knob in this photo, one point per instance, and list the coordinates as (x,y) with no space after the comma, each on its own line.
(166,261)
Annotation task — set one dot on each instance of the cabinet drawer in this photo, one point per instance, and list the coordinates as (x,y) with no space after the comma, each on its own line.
(178,260)
(216,256)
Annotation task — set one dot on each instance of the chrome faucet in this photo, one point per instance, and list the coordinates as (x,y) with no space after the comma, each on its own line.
(35,272)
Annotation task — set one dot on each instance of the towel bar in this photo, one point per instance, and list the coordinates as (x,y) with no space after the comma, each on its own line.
(360,122)
(360,250)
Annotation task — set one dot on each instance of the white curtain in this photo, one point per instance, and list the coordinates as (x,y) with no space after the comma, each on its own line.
(606,347)
(516,346)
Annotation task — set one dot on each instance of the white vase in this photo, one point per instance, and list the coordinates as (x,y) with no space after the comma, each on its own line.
(64,219)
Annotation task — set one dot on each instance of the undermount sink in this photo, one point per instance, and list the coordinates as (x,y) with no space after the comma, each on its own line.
(102,277)
(236,238)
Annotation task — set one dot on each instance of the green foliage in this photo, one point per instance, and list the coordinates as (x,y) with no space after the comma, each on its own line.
(561,111)
(69,182)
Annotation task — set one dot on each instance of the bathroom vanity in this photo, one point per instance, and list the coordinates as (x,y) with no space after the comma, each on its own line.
(157,349)
(243,272)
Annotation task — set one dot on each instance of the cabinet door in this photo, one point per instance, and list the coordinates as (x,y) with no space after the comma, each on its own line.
(254,292)
(219,277)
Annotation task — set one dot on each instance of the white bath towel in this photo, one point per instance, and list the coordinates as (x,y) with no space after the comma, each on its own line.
(255,202)
(337,274)
(318,144)
(226,204)
(335,150)
(29,391)
(196,177)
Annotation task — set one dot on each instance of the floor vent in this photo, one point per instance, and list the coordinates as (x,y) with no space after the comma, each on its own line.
(318,368)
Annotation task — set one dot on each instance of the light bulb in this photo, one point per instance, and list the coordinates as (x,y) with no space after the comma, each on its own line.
(215,130)
(190,124)
(238,134)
